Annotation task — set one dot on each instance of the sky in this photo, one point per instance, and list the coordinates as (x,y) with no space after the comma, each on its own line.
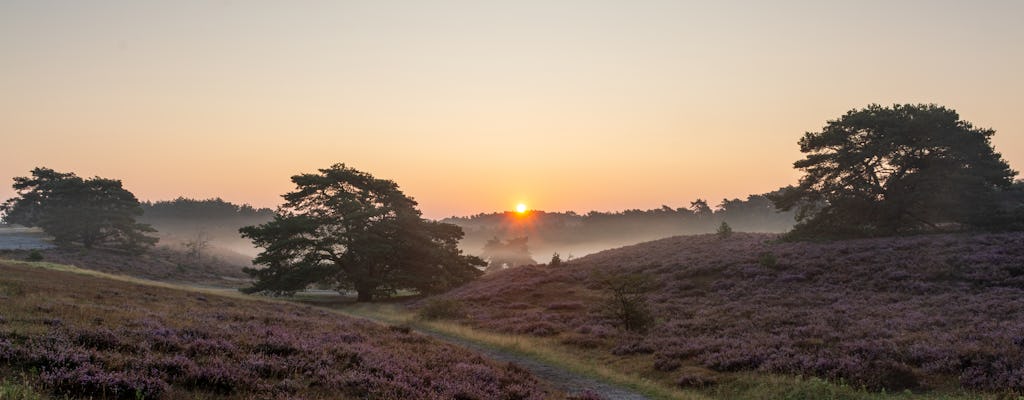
(475,106)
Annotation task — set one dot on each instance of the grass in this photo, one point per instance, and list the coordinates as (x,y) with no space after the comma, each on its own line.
(17,388)
(544,350)
(594,364)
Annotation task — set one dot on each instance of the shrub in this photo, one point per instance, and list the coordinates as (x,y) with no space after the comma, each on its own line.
(768,260)
(724,231)
(695,379)
(34,255)
(438,308)
(626,299)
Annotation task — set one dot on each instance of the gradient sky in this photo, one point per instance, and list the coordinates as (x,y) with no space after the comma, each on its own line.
(473,106)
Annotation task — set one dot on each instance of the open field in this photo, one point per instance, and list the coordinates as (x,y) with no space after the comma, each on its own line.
(937,315)
(86,335)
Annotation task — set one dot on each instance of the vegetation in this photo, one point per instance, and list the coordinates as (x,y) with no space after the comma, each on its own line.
(92,212)
(571,233)
(345,228)
(439,308)
(889,170)
(506,254)
(625,300)
(184,220)
(724,231)
(932,313)
(83,336)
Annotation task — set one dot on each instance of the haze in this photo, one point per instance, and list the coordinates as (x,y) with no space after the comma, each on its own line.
(476,106)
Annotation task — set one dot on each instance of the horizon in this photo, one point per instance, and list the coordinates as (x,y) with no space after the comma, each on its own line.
(574,106)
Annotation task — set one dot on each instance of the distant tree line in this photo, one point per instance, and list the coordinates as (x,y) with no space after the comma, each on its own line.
(550,232)
(192,220)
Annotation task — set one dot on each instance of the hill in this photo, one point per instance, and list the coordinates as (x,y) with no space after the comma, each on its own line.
(925,312)
(93,337)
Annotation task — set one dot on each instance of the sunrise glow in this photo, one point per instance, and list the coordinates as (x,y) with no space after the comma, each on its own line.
(521,208)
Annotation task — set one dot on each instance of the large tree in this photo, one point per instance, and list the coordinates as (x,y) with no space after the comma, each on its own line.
(94,212)
(344,228)
(889,170)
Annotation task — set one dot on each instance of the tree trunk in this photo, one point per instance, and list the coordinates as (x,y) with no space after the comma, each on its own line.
(364,296)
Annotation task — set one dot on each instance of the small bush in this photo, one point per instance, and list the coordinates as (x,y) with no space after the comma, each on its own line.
(34,255)
(695,380)
(441,309)
(626,301)
(768,260)
(556,260)
(724,231)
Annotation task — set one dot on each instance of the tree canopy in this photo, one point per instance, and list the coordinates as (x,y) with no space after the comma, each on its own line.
(889,170)
(95,211)
(344,228)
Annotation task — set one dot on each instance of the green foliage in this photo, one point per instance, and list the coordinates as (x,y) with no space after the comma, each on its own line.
(14,390)
(625,299)
(724,231)
(93,212)
(768,260)
(889,170)
(34,255)
(438,308)
(345,228)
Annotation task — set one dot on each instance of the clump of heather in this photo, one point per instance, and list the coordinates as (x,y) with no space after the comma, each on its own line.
(162,343)
(886,313)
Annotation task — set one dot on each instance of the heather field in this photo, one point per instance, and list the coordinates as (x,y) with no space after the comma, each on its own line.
(938,314)
(69,334)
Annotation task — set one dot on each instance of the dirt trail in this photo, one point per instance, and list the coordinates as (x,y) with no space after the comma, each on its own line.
(560,378)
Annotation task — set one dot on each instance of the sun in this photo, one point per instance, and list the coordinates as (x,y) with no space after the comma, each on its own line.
(521,208)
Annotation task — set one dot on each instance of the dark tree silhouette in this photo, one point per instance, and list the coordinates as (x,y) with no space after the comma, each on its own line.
(345,228)
(93,212)
(888,170)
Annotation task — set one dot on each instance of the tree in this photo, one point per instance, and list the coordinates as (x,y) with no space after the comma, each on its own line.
(889,170)
(724,231)
(197,244)
(507,254)
(93,212)
(344,228)
(625,300)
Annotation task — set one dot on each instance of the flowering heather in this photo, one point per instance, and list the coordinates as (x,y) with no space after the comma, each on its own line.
(117,340)
(895,313)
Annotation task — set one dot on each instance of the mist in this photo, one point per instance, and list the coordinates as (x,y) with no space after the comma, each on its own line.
(574,235)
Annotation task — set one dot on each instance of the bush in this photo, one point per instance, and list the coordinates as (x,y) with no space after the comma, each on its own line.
(724,231)
(34,255)
(768,260)
(441,309)
(626,301)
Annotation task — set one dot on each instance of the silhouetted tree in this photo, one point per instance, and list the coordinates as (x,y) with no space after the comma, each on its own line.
(93,212)
(347,229)
(886,170)
(556,260)
(724,231)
